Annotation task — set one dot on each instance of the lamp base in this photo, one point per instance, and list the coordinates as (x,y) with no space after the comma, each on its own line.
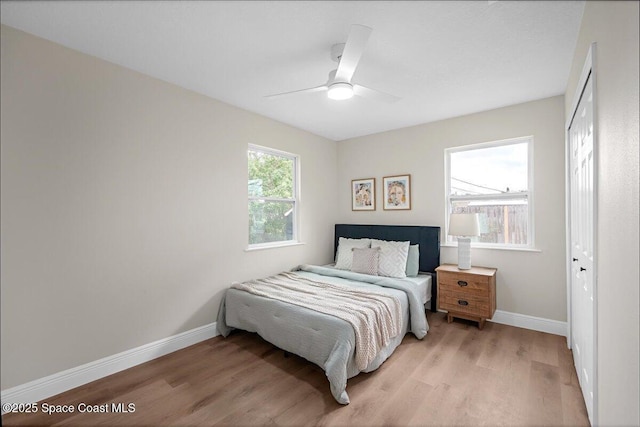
(464,253)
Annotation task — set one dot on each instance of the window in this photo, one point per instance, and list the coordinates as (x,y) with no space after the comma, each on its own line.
(273,196)
(494,180)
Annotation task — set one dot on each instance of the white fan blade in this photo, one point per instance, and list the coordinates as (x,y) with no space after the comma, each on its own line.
(352,52)
(301,91)
(366,92)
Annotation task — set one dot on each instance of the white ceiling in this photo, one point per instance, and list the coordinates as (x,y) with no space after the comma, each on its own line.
(443,58)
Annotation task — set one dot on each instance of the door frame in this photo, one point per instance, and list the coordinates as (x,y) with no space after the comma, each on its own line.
(588,70)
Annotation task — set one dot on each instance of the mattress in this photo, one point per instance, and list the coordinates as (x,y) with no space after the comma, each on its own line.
(423,282)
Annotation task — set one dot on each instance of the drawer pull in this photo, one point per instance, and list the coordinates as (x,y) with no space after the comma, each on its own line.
(463,302)
(462,283)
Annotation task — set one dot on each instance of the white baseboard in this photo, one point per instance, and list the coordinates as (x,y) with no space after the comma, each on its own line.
(530,322)
(37,390)
(539,324)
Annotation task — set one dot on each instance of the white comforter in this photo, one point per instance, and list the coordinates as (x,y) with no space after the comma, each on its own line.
(321,338)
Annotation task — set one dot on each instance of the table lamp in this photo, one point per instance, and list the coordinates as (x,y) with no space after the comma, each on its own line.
(464,225)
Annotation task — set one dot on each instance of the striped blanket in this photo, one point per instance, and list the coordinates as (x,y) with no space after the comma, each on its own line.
(375,317)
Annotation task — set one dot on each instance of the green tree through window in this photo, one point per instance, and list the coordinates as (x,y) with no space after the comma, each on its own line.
(272,196)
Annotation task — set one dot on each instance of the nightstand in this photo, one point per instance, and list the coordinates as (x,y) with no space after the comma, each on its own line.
(467,294)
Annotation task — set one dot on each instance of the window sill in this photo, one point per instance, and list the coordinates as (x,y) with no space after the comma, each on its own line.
(272,246)
(499,248)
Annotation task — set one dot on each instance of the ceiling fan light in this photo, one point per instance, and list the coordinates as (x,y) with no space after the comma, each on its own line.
(340,91)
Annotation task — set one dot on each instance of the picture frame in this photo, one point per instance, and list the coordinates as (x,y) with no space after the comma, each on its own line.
(363,194)
(397,192)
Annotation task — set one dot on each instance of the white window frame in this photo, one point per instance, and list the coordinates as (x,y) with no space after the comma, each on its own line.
(500,196)
(295,200)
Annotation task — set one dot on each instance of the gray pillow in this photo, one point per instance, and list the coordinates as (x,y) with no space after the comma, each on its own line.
(365,260)
(413,261)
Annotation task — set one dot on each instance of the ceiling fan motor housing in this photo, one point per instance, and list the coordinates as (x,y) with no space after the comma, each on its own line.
(336,51)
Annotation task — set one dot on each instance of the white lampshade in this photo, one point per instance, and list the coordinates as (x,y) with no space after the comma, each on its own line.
(464,224)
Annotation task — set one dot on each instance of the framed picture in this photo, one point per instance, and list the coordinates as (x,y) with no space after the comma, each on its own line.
(363,194)
(397,192)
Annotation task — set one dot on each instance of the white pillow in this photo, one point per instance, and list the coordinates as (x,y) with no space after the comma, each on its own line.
(344,255)
(365,260)
(393,258)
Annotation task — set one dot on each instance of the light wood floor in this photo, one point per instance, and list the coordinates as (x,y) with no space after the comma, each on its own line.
(457,375)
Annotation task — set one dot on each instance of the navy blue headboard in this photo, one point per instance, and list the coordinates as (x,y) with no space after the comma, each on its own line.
(427,237)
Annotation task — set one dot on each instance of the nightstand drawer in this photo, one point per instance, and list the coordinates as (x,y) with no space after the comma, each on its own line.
(459,302)
(470,285)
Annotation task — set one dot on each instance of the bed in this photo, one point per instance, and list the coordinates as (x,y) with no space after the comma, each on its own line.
(335,332)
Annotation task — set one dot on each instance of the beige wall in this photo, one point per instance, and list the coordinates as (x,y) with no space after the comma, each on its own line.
(124,206)
(614,27)
(530,283)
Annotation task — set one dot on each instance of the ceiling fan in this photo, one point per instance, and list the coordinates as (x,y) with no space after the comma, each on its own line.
(339,85)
